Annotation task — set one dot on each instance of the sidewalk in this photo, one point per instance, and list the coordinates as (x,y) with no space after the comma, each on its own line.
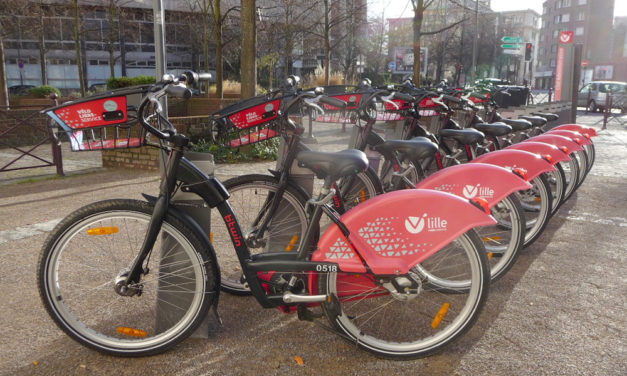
(561,310)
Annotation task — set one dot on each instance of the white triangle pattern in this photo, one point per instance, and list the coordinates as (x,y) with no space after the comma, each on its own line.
(380,235)
(340,250)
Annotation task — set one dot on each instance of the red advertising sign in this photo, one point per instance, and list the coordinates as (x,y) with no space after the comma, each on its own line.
(255,115)
(566,37)
(559,73)
(95,113)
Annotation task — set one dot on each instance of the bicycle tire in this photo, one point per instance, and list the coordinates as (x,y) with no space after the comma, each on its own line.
(557,182)
(88,251)
(285,231)
(419,325)
(537,203)
(571,172)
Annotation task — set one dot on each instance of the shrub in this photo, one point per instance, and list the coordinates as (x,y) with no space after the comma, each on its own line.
(265,150)
(120,82)
(44,91)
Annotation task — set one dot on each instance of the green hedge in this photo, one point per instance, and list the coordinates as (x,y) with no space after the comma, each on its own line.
(120,82)
(44,91)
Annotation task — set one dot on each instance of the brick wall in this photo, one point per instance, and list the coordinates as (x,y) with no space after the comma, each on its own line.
(144,158)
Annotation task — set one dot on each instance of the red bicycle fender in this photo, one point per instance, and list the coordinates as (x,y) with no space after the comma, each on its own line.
(573,135)
(557,140)
(557,155)
(476,180)
(590,131)
(396,231)
(511,159)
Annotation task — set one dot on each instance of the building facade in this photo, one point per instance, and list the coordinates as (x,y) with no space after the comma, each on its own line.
(591,21)
(523,24)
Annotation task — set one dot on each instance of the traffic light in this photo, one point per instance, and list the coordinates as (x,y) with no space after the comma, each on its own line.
(528,49)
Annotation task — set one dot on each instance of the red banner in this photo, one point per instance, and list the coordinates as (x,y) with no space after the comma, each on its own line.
(559,73)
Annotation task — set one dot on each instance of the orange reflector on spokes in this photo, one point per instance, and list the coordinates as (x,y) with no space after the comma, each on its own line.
(538,199)
(292,243)
(441,313)
(362,195)
(131,332)
(102,231)
(211,237)
(491,238)
(490,254)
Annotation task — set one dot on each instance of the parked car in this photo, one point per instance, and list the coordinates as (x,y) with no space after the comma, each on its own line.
(97,87)
(593,96)
(20,89)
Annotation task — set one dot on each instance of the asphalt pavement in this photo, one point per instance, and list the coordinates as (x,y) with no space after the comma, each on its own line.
(561,310)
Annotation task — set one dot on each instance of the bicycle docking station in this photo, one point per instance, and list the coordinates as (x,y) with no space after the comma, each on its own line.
(194,206)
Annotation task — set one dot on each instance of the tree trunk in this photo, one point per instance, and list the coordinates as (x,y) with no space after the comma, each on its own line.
(111,16)
(42,50)
(218,21)
(4,93)
(77,47)
(327,44)
(417,26)
(122,44)
(249,49)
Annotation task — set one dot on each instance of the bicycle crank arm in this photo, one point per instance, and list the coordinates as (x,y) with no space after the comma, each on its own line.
(288,297)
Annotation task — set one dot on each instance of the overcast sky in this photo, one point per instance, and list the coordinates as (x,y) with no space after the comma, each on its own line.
(402,8)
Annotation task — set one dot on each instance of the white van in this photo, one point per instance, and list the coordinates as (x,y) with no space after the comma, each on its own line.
(593,96)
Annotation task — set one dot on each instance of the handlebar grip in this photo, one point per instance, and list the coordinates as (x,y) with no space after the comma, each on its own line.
(452,98)
(404,96)
(333,102)
(179,91)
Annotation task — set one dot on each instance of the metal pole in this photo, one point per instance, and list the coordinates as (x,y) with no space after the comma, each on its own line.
(473,69)
(159,30)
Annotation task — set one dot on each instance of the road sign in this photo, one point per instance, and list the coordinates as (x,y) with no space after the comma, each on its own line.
(584,63)
(512,40)
(566,37)
(511,46)
(392,65)
(512,52)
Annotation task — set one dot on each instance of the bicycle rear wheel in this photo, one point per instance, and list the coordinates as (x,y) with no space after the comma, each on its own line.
(251,197)
(450,289)
(89,252)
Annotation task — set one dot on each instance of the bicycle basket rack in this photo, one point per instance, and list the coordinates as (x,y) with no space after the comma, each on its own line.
(249,121)
(347,115)
(100,122)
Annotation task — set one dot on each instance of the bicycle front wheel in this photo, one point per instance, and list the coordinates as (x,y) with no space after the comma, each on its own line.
(447,294)
(537,203)
(90,251)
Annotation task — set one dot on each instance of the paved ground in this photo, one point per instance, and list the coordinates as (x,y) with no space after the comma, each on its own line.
(561,310)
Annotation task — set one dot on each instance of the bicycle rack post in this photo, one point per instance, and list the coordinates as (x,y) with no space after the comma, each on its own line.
(192,205)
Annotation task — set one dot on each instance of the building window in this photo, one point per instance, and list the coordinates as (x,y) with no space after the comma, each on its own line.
(582,2)
(555,33)
(581,16)
(565,3)
(565,17)
(556,19)
(553,63)
(542,38)
(554,48)
(579,31)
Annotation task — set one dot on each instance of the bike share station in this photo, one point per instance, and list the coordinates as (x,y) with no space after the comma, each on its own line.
(565,105)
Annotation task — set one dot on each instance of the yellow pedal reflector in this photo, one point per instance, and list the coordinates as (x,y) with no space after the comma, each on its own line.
(131,332)
(211,237)
(362,195)
(491,238)
(490,254)
(441,313)
(292,243)
(102,231)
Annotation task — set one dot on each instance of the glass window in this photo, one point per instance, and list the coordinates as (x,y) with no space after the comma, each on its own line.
(553,63)
(581,16)
(579,31)
(582,2)
(585,89)
(565,3)
(556,19)
(565,17)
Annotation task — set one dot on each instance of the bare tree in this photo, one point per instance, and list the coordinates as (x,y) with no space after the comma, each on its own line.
(9,11)
(419,7)
(248,64)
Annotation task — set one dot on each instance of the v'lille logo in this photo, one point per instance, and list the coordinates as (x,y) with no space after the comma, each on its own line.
(414,225)
(470,191)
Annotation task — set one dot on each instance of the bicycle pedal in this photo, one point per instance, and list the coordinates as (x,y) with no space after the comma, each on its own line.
(305,314)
